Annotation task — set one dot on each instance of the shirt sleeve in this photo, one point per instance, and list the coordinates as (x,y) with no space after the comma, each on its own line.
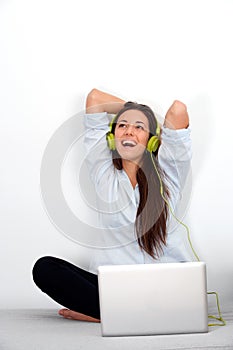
(174,157)
(98,155)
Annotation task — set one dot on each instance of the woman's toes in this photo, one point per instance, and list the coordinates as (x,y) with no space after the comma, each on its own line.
(65,313)
(73,315)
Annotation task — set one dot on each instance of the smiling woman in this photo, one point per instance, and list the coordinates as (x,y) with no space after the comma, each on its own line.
(131,135)
(136,215)
(134,126)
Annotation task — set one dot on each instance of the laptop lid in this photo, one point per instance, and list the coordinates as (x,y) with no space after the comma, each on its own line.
(146,299)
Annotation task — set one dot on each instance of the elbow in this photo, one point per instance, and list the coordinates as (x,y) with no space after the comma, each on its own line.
(178,108)
(179,118)
(93,102)
(91,98)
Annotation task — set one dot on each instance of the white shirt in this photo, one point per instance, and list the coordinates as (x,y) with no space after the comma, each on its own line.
(118,201)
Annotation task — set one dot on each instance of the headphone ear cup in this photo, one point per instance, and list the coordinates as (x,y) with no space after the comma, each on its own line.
(153,144)
(111,141)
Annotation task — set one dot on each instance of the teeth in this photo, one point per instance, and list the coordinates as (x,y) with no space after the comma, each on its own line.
(129,143)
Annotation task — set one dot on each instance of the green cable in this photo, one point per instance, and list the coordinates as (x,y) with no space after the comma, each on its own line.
(220,318)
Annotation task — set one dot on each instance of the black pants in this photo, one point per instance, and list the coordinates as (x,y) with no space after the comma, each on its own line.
(68,285)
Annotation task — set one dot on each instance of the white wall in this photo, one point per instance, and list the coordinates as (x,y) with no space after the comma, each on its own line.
(52,54)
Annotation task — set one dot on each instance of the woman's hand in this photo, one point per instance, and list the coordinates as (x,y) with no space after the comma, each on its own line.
(177,116)
(98,101)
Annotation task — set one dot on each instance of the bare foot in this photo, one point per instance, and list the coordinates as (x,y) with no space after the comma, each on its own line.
(73,315)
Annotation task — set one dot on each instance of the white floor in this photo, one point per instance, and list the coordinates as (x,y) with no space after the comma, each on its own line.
(36,329)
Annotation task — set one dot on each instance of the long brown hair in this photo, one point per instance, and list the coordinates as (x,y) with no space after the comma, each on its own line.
(151,219)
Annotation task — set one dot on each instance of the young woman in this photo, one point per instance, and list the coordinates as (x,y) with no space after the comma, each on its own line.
(138,171)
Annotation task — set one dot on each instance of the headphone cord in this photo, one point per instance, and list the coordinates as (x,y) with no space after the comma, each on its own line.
(219,318)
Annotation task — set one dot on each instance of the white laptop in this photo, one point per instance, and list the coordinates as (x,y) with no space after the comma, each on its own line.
(147,299)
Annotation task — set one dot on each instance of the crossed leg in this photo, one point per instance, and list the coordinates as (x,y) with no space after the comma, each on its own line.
(70,286)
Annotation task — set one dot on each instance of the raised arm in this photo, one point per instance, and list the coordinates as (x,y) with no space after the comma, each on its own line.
(177,116)
(98,101)
(175,152)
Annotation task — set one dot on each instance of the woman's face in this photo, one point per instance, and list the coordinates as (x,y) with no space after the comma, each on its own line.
(131,135)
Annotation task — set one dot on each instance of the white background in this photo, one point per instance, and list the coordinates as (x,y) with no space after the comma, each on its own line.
(52,54)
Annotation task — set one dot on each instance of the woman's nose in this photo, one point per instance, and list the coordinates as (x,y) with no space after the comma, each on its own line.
(129,129)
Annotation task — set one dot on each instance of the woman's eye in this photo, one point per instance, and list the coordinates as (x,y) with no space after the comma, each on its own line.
(121,125)
(139,127)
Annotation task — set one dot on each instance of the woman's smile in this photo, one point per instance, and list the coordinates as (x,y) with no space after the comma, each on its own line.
(129,143)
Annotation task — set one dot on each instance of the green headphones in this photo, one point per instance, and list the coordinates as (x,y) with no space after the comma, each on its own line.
(152,145)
